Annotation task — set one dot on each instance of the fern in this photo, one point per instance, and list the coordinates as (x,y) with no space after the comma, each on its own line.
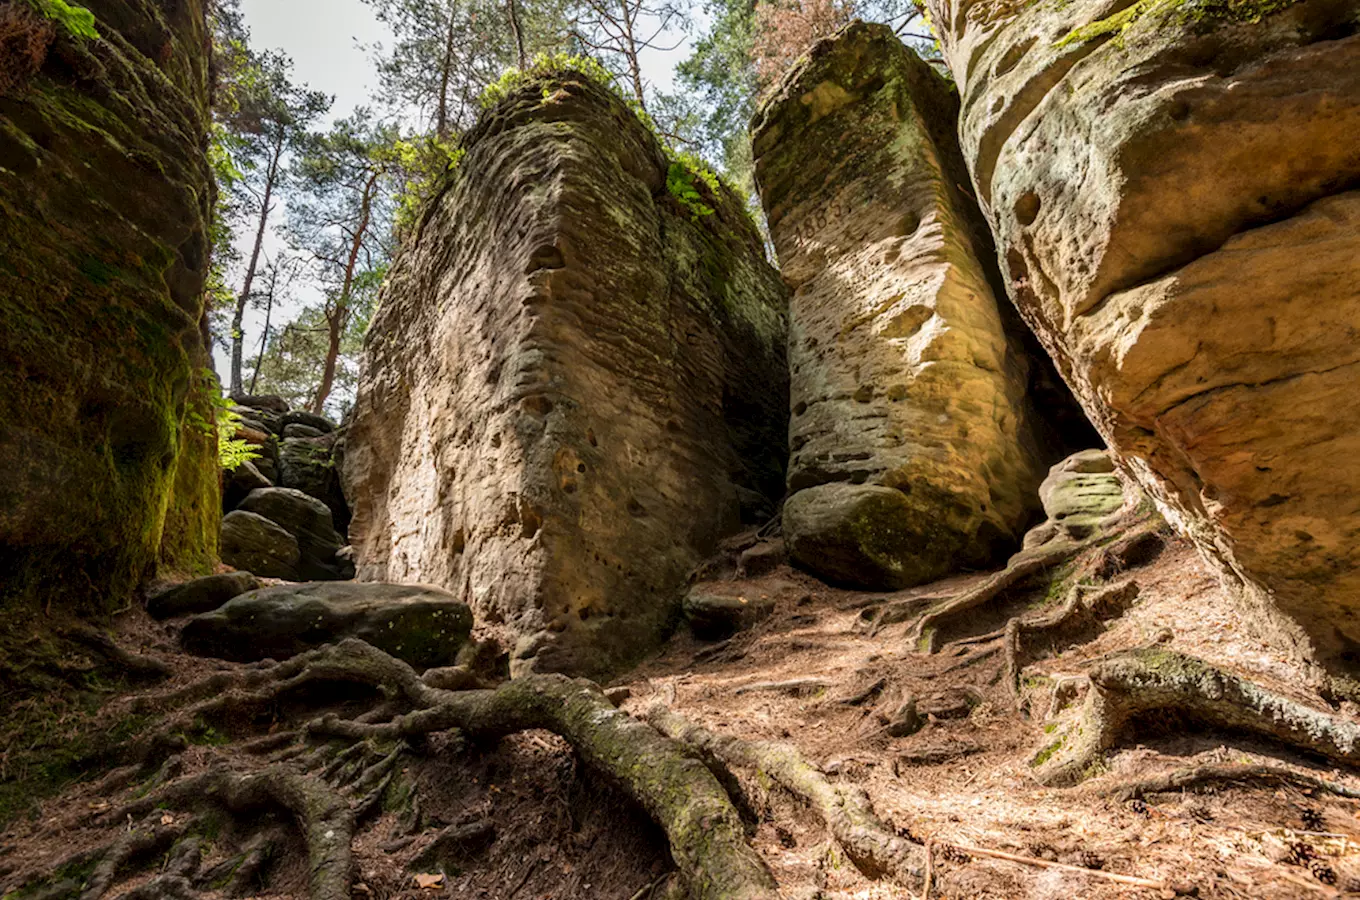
(76,20)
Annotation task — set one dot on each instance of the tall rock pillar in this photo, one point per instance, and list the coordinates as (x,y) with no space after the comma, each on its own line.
(915,448)
(573,386)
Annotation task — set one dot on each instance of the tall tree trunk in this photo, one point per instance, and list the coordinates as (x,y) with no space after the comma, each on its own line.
(441,128)
(238,337)
(519,33)
(264,338)
(630,50)
(337,317)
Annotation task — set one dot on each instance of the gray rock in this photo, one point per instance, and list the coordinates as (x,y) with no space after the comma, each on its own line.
(270,402)
(309,521)
(200,595)
(311,420)
(255,544)
(422,625)
(762,559)
(298,430)
(240,481)
(714,615)
(875,537)
(307,465)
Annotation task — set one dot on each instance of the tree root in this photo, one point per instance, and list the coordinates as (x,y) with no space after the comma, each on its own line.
(924,635)
(134,664)
(1156,681)
(1080,610)
(1196,776)
(873,846)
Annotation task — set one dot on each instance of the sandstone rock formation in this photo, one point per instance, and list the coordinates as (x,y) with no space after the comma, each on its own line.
(915,449)
(105,193)
(573,384)
(1175,208)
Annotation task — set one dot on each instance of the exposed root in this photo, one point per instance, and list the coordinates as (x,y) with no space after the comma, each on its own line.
(1156,681)
(1216,773)
(1082,609)
(871,844)
(924,635)
(136,665)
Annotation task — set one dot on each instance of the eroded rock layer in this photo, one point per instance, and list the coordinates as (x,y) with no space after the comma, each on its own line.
(1175,206)
(914,445)
(572,387)
(105,197)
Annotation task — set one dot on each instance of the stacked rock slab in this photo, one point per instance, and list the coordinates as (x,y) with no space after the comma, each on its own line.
(105,199)
(1176,208)
(573,385)
(914,447)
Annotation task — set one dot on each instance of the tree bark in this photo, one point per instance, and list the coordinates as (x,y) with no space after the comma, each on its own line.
(630,50)
(337,316)
(238,337)
(518,32)
(441,128)
(264,337)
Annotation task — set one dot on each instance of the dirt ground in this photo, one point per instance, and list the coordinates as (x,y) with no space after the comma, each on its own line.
(819,675)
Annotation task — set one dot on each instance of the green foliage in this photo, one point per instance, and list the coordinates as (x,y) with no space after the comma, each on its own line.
(545,65)
(77,21)
(422,165)
(231,450)
(1181,11)
(680,181)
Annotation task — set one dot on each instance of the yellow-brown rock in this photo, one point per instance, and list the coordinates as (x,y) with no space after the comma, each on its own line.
(1175,206)
(914,447)
(574,385)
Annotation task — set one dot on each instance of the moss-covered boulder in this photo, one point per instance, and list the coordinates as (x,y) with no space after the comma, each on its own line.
(909,378)
(105,193)
(424,626)
(575,376)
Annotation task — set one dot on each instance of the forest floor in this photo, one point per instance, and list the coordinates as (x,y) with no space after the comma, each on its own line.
(523,818)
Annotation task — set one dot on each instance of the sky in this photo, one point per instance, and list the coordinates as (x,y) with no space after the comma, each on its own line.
(325,39)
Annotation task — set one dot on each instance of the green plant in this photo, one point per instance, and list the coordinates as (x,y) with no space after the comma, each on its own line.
(1182,12)
(542,65)
(680,183)
(77,20)
(231,450)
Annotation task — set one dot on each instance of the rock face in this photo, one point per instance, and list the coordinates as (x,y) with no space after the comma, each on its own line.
(1082,495)
(306,520)
(105,194)
(200,595)
(1177,215)
(422,625)
(571,381)
(915,448)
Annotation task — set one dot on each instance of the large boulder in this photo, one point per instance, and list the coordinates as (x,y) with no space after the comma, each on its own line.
(422,625)
(308,521)
(259,546)
(105,202)
(912,430)
(1173,195)
(200,595)
(575,373)
(309,465)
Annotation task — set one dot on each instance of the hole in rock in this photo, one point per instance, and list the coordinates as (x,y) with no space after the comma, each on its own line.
(1027,208)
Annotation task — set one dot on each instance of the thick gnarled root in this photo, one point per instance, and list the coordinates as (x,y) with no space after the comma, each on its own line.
(874,848)
(1150,681)
(1084,609)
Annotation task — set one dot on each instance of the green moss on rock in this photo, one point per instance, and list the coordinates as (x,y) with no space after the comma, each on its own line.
(105,193)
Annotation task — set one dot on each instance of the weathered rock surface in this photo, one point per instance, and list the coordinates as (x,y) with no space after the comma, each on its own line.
(1177,213)
(308,465)
(257,545)
(569,383)
(715,613)
(200,595)
(422,625)
(1081,495)
(308,521)
(912,433)
(239,482)
(105,195)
